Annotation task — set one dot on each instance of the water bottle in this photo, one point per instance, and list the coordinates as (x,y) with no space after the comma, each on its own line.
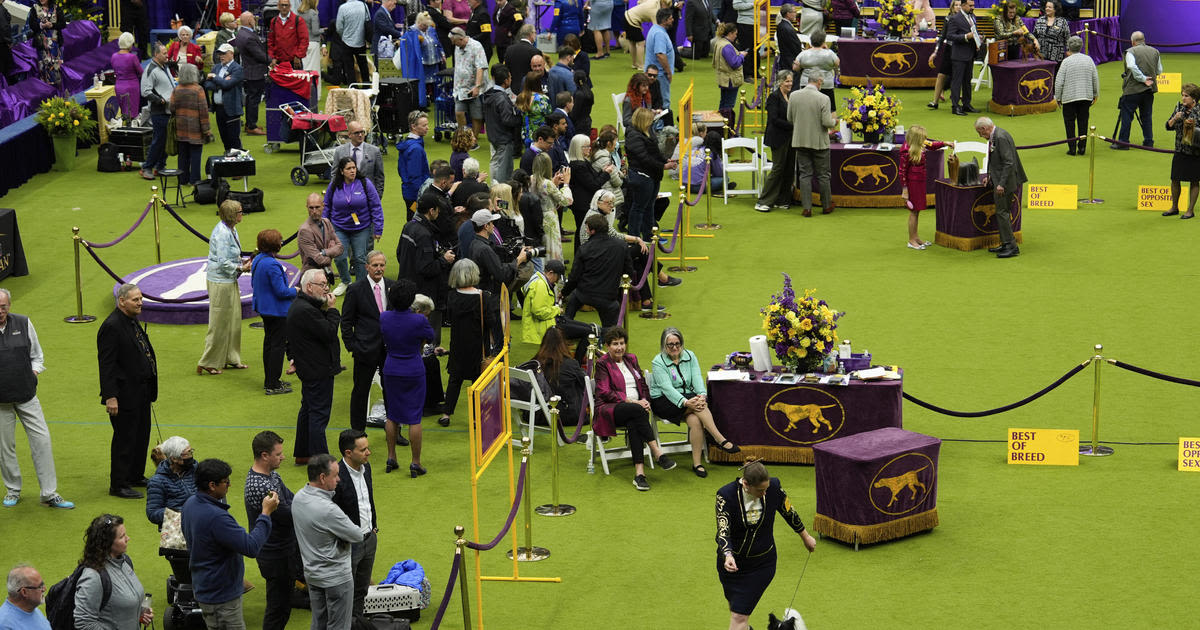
(147,605)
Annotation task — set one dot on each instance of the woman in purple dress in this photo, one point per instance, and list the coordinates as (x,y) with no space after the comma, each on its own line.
(129,76)
(405,334)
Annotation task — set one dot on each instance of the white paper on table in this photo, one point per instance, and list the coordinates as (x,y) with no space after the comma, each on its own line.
(854,146)
(728,375)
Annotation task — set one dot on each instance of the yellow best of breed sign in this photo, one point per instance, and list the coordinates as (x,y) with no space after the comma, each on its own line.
(1189,454)
(1157,198)
(1052,196)
(1043,447)
(1170,81)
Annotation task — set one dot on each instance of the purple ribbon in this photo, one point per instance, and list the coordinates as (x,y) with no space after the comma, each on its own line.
(512,514)
(674,232)
(127,232)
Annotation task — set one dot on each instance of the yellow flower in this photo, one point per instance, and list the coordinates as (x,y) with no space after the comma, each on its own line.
(806,324)
(76,123)
(820,347)
(802,353)
(805,342)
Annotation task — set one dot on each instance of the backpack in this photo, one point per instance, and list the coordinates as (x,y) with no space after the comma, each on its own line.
(60,599)
(106,158)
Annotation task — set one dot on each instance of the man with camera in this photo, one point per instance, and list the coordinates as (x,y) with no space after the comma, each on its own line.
(596,275)
(492,272)
(421,260)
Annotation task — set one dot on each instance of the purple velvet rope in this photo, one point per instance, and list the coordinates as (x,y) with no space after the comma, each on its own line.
(154,298)
(441,611)
(674,233)
(512,514)
(624,306)
(1134,146)
(699,195)
(646,272)
(578,427)
(204,238)
(127,232)
(1050,144)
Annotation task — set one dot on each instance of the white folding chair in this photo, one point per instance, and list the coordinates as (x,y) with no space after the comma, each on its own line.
(984,77)
(535,404)
(731,144)
(618,100)
(596,444)
(764,165)
(974,147)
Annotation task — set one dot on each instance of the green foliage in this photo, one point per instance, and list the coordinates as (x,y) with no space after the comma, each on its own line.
(64,117)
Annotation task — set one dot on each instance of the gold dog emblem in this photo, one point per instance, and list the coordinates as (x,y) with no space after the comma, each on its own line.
(863,171)
(796,413)
(898,484)
(1037,86)
(898,58)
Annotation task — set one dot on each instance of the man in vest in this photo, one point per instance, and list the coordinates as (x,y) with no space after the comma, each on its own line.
(20,364)
(1142,67)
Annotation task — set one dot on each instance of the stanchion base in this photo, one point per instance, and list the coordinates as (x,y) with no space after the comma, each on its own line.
(1091,201)
(562,509)
(708,226)
(529,554)
(654,315)
(682,268)
(256,324)
(79,319)
(1101,451)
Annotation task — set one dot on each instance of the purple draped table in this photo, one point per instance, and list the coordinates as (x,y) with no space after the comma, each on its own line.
(887,63)
(966,216)
(876,486)
(1022,87)
(781,423)
(12,252)
(866,177)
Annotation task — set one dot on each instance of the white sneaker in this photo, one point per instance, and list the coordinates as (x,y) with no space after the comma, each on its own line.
(762,207)
(340,290)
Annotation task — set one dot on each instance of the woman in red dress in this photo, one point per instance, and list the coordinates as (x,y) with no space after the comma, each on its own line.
(912,177)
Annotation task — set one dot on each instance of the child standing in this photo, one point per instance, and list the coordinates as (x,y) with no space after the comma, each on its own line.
(912,178)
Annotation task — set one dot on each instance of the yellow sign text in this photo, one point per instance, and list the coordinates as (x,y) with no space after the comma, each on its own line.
(1189,454)
(1052,196)
(1043,447)
(1157,198)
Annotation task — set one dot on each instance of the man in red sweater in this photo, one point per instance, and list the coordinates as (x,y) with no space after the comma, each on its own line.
(287,38)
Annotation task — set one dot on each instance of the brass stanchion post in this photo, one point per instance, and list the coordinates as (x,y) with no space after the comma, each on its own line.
(555,508)
(708,223)
(78,317)
(1095,449)
(652,278)
(528,553)
(1091,198)
(591,359)
(463,592)
(157,235)
(681,238)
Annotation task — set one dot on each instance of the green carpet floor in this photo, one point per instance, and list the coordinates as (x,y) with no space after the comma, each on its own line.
(1104,543)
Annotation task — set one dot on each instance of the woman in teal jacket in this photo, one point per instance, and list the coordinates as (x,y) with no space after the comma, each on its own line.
(677,393)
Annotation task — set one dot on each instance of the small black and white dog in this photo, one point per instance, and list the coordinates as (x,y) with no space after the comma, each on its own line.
(791,621)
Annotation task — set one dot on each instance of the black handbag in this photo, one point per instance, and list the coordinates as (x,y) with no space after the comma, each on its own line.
(205,192)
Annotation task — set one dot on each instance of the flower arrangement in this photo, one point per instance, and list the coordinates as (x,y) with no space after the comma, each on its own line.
(64,117)
(997,10)
(897,17)
(802,331)
(871,110)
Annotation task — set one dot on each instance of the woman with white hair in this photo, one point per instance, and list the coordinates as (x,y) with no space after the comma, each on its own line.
(586,179)
(472,313)
(129,76)
(190,109)
(174,481)
(223,343)
(184,50)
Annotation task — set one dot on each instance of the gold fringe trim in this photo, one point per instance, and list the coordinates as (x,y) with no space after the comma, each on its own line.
(880,532)
(1022,110)
(968,244)
(863,201)
(769,454)
(924,82)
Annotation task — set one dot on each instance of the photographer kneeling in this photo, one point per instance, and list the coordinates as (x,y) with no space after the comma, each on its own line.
(596,274)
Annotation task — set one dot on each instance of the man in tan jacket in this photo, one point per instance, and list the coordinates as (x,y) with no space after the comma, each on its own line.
(811,118)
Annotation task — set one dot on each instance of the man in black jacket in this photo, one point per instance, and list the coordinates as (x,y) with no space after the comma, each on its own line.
(700,26)
(363,303)
(128,385)
(419,261)
(254,66)
(518,56)
(777,188)
(963,36)
(596,274)
(492,272)
(355,495)
(789,41)
(479,26)
(312,332)
(543,141)
(504,122)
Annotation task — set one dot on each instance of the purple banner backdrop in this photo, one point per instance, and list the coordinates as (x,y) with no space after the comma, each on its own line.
(781,423)
(491,414)
(1163,22)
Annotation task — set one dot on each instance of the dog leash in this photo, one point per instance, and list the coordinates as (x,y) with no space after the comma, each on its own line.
(806,558)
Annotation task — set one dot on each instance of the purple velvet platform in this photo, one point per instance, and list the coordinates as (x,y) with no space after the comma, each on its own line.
(182,279)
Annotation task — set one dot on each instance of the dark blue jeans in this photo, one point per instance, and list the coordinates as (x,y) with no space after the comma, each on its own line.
(316,402)
(254,96)
(642,191)
(1143,104)
(157,157)
(728,97)
(189,162)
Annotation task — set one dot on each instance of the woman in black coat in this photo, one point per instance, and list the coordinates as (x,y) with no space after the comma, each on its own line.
(777,188)
(646,166)
(473,324)
(585,179)
(746,510)
(565,376)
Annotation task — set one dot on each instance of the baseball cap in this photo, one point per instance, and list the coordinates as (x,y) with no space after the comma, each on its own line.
(483,217)
(224,48)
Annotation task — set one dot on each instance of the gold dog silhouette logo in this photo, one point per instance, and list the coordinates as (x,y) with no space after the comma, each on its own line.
(903,484)
(893,60)
(983,212)
(1036,86)
(868,172)
(804,415)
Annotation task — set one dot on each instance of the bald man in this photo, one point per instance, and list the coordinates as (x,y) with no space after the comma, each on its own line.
(366,156)
(26,590)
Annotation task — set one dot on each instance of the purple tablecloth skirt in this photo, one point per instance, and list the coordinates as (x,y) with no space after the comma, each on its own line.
(966,216)
(876,486)
(1022,87)
(781,423)
(869,178)
(887,63)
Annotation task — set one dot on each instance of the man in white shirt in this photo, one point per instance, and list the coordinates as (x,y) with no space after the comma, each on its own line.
(322,531)
(356,497)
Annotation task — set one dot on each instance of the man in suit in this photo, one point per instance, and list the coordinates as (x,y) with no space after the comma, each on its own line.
(789,41)
(128,384)
(254,62)
(964,47)
(366,156)
(811,118)
(1006,175)
(225,82)
(363,303)
(312,331)
(355,495)
(519,55)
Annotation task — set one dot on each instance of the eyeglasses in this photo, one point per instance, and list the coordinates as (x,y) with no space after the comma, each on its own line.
(318,284)
(35,587)
(674,344)
(358,133)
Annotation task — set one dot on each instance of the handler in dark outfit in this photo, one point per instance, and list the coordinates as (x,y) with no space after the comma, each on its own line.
(746,510)
(128,384)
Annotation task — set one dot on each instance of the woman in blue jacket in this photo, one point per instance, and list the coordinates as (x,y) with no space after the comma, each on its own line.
(677,393)
(173,482)
(272,297)
(352,205)
(568,19)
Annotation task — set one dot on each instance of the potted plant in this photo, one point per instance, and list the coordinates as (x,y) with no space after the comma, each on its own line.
(871,111)
(801,331)
(897,18)
(65,120)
